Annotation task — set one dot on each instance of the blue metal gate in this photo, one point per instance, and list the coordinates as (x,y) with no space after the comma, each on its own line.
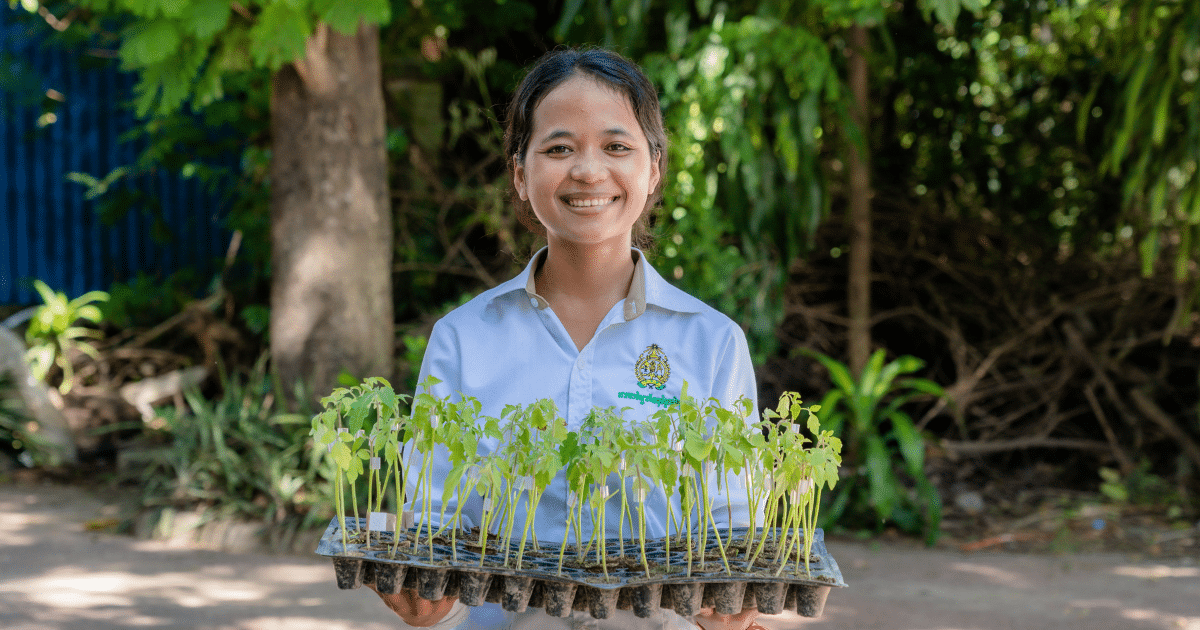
(48,230)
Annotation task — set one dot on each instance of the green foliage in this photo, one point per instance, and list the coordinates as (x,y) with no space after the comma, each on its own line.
(146,300)
(54,332)
(745,100)
(1153,131)
(1139,487)
(868,414)
(241,454)
(184,50)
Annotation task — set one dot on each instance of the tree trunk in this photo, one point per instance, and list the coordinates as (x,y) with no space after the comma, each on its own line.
(858,284)
(331,222)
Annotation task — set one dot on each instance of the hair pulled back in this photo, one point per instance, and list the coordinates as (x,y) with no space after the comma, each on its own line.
(609,68)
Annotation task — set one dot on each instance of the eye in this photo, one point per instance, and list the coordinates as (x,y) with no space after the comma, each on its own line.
(557,149)
(618,146)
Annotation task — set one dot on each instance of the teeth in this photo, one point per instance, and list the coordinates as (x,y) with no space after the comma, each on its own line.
(585,203)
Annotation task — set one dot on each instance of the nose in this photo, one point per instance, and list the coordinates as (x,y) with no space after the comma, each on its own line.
(588,168)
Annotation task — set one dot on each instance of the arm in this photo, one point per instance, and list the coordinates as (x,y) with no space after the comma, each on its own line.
(709,620)
(422,613)
(734,379)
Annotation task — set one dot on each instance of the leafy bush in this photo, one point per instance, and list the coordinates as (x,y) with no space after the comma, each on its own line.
(242,455)
(868,415)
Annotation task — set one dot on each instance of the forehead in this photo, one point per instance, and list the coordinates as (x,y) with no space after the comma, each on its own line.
(581,104)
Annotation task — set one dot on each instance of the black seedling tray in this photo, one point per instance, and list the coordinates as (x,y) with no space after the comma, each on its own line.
(538,584)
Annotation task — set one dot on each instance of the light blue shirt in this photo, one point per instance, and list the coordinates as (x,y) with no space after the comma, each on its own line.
(507,346)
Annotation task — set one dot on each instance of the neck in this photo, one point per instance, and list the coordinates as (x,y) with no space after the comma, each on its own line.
(594,274)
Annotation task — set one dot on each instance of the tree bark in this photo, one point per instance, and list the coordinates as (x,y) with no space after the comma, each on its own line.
(858,284)
(331,222)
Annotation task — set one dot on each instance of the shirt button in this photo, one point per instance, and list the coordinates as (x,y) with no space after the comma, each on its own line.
(533,302)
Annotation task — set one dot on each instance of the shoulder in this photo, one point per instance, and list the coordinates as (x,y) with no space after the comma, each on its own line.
(668,297)
(485,307)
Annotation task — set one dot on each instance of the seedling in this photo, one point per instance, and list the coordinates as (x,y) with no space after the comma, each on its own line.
(695,453)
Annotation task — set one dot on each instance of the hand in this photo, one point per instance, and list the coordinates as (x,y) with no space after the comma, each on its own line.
(414,610)
(710,620)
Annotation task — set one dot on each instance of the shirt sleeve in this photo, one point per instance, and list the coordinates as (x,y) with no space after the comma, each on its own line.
(734,379)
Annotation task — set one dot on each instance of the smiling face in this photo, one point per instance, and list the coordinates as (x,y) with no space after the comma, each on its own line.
(588,171)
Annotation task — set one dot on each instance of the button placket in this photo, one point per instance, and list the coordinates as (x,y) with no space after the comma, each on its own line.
(580,393)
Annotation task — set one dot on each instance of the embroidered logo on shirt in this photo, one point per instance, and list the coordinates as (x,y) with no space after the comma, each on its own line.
(652,368)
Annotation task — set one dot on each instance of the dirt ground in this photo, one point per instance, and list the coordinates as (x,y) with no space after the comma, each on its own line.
(57,573)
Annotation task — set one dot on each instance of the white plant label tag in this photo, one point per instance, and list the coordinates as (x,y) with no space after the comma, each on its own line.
(487,504)
(359,434)
(381,522)
(473,475)
(640,494)
(805,486)
(433,421)
(572,499)
(374,463)
(685,470)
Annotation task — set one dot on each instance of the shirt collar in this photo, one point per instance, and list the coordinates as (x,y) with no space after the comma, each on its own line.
(647,288)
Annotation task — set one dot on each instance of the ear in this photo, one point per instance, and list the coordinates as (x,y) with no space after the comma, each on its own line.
(519,179)
(655,172)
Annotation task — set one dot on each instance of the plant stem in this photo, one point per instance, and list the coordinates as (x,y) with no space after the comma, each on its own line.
(341,508)
(354,504)
(534,499)
(621,523)
(562,550)
(642,530)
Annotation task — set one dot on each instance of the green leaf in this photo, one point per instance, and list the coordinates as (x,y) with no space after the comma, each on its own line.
(885,491)
(838,372)
(345,17)
(357,416)
(279,36)
(698,449)
(912,446)
(570,10)
(205,18)
(148,44)
(341,455)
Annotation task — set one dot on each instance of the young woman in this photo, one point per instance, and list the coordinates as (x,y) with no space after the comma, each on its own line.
(589,323)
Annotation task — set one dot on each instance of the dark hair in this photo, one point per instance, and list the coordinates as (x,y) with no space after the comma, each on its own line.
(609,68)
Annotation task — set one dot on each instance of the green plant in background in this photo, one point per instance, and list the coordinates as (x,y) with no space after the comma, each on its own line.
(146,300)
(868,414)
(243,453)
(54,334)
(1139,486)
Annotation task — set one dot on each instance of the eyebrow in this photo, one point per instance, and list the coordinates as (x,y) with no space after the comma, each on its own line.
(563,133)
